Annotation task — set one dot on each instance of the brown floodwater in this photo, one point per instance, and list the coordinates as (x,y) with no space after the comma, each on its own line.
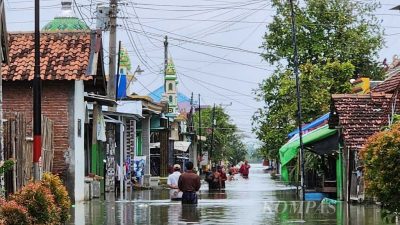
(257,200)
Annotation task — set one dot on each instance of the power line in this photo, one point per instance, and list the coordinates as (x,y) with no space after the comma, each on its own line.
(203,53)
(208,83)
(192,40)
(199,83)
(218,57)
(201,20)
(218,75)
(137,52)
(241,43)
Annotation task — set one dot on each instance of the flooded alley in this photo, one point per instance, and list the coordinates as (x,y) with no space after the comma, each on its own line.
(257,200)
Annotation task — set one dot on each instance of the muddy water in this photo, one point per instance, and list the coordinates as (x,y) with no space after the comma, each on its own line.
(257,200)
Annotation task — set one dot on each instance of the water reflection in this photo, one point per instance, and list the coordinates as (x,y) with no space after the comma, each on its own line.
(257,200)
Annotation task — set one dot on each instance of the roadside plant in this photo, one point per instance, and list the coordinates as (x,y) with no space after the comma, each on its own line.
(39,202)
(61,198)
(6,165)
(380,158)
(12,213)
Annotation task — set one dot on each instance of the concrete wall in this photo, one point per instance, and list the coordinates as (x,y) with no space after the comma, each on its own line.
(78,164)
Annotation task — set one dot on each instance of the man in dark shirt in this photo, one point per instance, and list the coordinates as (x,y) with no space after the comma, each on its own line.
(189,183)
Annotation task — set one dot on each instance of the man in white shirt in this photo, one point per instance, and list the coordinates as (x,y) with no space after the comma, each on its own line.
(172,183)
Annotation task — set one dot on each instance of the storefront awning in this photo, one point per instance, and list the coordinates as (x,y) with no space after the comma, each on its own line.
(181,145)
(312,125)
(289,151)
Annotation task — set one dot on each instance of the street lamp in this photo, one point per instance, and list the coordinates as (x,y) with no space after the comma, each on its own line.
(138,71)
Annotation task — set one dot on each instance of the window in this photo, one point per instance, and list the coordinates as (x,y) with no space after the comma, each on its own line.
(170,99)
(170,86)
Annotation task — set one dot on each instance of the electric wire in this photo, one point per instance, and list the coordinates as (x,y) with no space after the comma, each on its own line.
(207,88)
(138,51)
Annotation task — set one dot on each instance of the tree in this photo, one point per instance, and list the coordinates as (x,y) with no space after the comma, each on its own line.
(337,41)
(380,158)
(327,30)
(278,117)
(235,150)
(224,130)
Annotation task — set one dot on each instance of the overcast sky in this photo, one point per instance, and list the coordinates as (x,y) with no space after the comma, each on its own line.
(214,44)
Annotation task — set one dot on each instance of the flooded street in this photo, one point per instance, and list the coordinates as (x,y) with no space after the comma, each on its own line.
(257,200)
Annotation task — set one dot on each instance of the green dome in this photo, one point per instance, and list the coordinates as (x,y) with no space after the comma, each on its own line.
(66,21)
(66,24)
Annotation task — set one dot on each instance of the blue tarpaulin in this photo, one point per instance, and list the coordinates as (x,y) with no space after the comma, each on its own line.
(311,125)
(121,87)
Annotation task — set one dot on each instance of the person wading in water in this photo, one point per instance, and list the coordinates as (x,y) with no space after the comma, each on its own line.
(244,169)
(172,183)
(189,184)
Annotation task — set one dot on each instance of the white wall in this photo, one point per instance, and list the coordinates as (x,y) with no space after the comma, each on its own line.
(79,144)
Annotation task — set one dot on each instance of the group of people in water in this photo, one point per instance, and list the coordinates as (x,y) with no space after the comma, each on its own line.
(183,186)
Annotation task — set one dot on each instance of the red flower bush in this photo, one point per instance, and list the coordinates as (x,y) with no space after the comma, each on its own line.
(11,213)
(39,202)
(381,159)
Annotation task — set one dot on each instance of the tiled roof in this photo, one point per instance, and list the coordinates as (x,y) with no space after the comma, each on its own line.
(359,116)
(64,56)
(390,83)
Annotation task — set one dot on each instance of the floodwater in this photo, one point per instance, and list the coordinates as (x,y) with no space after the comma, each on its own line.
(257,200)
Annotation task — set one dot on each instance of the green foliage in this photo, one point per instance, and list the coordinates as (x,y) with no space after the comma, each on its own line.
(380,158)
(337,40)
(224,134)
(278,117)
(235,150)
(7,165)
(342,30)
(40,203)
(313,162)
(11,213)
(62,200)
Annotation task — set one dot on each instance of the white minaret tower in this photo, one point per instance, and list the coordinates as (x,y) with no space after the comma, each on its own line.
(170,89)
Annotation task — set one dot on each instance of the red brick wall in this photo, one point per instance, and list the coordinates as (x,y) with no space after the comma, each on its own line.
(56,98)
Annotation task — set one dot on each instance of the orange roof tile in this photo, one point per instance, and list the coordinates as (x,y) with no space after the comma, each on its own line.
(359,116)
(64,56)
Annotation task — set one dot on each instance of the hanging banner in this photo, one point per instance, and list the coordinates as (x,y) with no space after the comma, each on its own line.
(101,125)
(139,163)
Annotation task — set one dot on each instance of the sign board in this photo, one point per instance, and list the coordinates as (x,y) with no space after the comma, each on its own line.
(204,159)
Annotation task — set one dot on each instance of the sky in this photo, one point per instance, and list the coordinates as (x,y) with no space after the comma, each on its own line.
(214,44)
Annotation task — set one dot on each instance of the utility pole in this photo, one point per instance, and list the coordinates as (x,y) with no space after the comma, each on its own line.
(200,150)
(191,114)
(213,122)
(118,75)
(299,116)
(2,184)
(112,50)
(37,95)
(165,60)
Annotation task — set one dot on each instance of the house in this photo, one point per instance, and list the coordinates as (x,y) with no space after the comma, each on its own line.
(357,117)
(71,64)
(320,143)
